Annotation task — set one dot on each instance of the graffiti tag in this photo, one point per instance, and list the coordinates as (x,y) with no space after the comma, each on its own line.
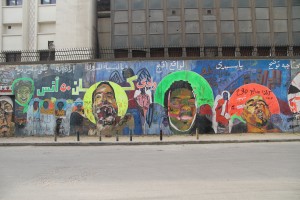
(170,65)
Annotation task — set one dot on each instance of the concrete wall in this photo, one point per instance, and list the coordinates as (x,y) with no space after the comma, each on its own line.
(177,97)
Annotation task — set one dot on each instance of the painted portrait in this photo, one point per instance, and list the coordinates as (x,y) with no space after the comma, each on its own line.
(182,94)
(106,105)
(23,89)
(251,108)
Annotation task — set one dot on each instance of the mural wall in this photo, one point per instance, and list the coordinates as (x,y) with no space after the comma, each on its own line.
(144,97)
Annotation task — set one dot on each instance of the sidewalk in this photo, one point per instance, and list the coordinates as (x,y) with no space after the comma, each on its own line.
(150,139)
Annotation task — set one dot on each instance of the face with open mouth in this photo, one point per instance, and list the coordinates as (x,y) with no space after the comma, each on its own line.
(256,111)
(181,109)
(23,94)
(105,109)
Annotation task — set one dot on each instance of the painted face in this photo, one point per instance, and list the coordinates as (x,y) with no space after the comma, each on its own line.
(60,105)
(6,111)
(23,94)
(46,104)
(79,107)
(181,109)
(256,111)
(225,95)
(35,105)
(105,109)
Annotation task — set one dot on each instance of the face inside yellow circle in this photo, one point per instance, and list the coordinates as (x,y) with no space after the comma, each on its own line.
(104,101)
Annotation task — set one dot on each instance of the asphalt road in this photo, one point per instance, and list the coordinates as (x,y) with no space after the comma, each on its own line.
(213,171)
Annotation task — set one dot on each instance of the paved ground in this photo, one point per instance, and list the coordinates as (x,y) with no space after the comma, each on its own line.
(235,171)
(155,140)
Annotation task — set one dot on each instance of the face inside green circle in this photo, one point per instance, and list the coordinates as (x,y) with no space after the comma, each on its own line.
(23,94)
(182,108)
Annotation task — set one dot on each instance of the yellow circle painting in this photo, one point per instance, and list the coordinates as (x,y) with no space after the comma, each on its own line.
(119,95)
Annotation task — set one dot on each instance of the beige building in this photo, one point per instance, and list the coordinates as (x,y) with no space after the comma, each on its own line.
(43,25)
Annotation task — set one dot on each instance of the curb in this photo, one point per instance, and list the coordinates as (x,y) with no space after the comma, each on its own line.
(142,143)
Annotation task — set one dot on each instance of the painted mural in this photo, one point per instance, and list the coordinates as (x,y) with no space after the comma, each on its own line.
(146,97)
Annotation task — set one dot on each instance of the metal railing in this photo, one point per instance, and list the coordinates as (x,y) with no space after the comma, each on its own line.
(110,53)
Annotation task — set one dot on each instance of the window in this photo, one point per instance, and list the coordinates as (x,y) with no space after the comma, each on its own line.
(211,51)
(48,1)
(138,53)
(208,4)
(281,51)
(243,3)
(226,4)
(175,52)
(263,51)
(228,51)
(47,55)
(296,50)
(103,5)
(121,53)
(192,51)
(13,57)
(13,2)
(157,52)
(246,51)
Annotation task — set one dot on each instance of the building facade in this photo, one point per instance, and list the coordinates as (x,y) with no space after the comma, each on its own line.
(46,25)
(150,28)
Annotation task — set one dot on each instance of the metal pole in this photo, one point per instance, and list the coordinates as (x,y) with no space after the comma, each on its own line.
(100,139)
(161,135)
(117,136)
(78,139)
(130,135)
(197,134)
(55,136)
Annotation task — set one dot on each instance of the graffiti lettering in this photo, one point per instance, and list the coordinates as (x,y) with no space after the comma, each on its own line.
(241,91)
(254,91)
(64,69)
(31,69)
(54,88)
(79,88)
(276,64)
(295,65)
(221,66)
(266,92)
(169,65)
(106,66)
(130,81)
(293,118)
(149,84)
(64,87)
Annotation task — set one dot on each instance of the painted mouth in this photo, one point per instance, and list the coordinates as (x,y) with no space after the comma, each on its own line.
(260,114)
(185,116)
(106,115)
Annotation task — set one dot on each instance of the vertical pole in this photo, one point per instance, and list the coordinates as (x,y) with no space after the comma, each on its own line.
(130,135)
(117,136)
(55,136)
(100,139)
(197,134)
(161,135)
(77,133)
